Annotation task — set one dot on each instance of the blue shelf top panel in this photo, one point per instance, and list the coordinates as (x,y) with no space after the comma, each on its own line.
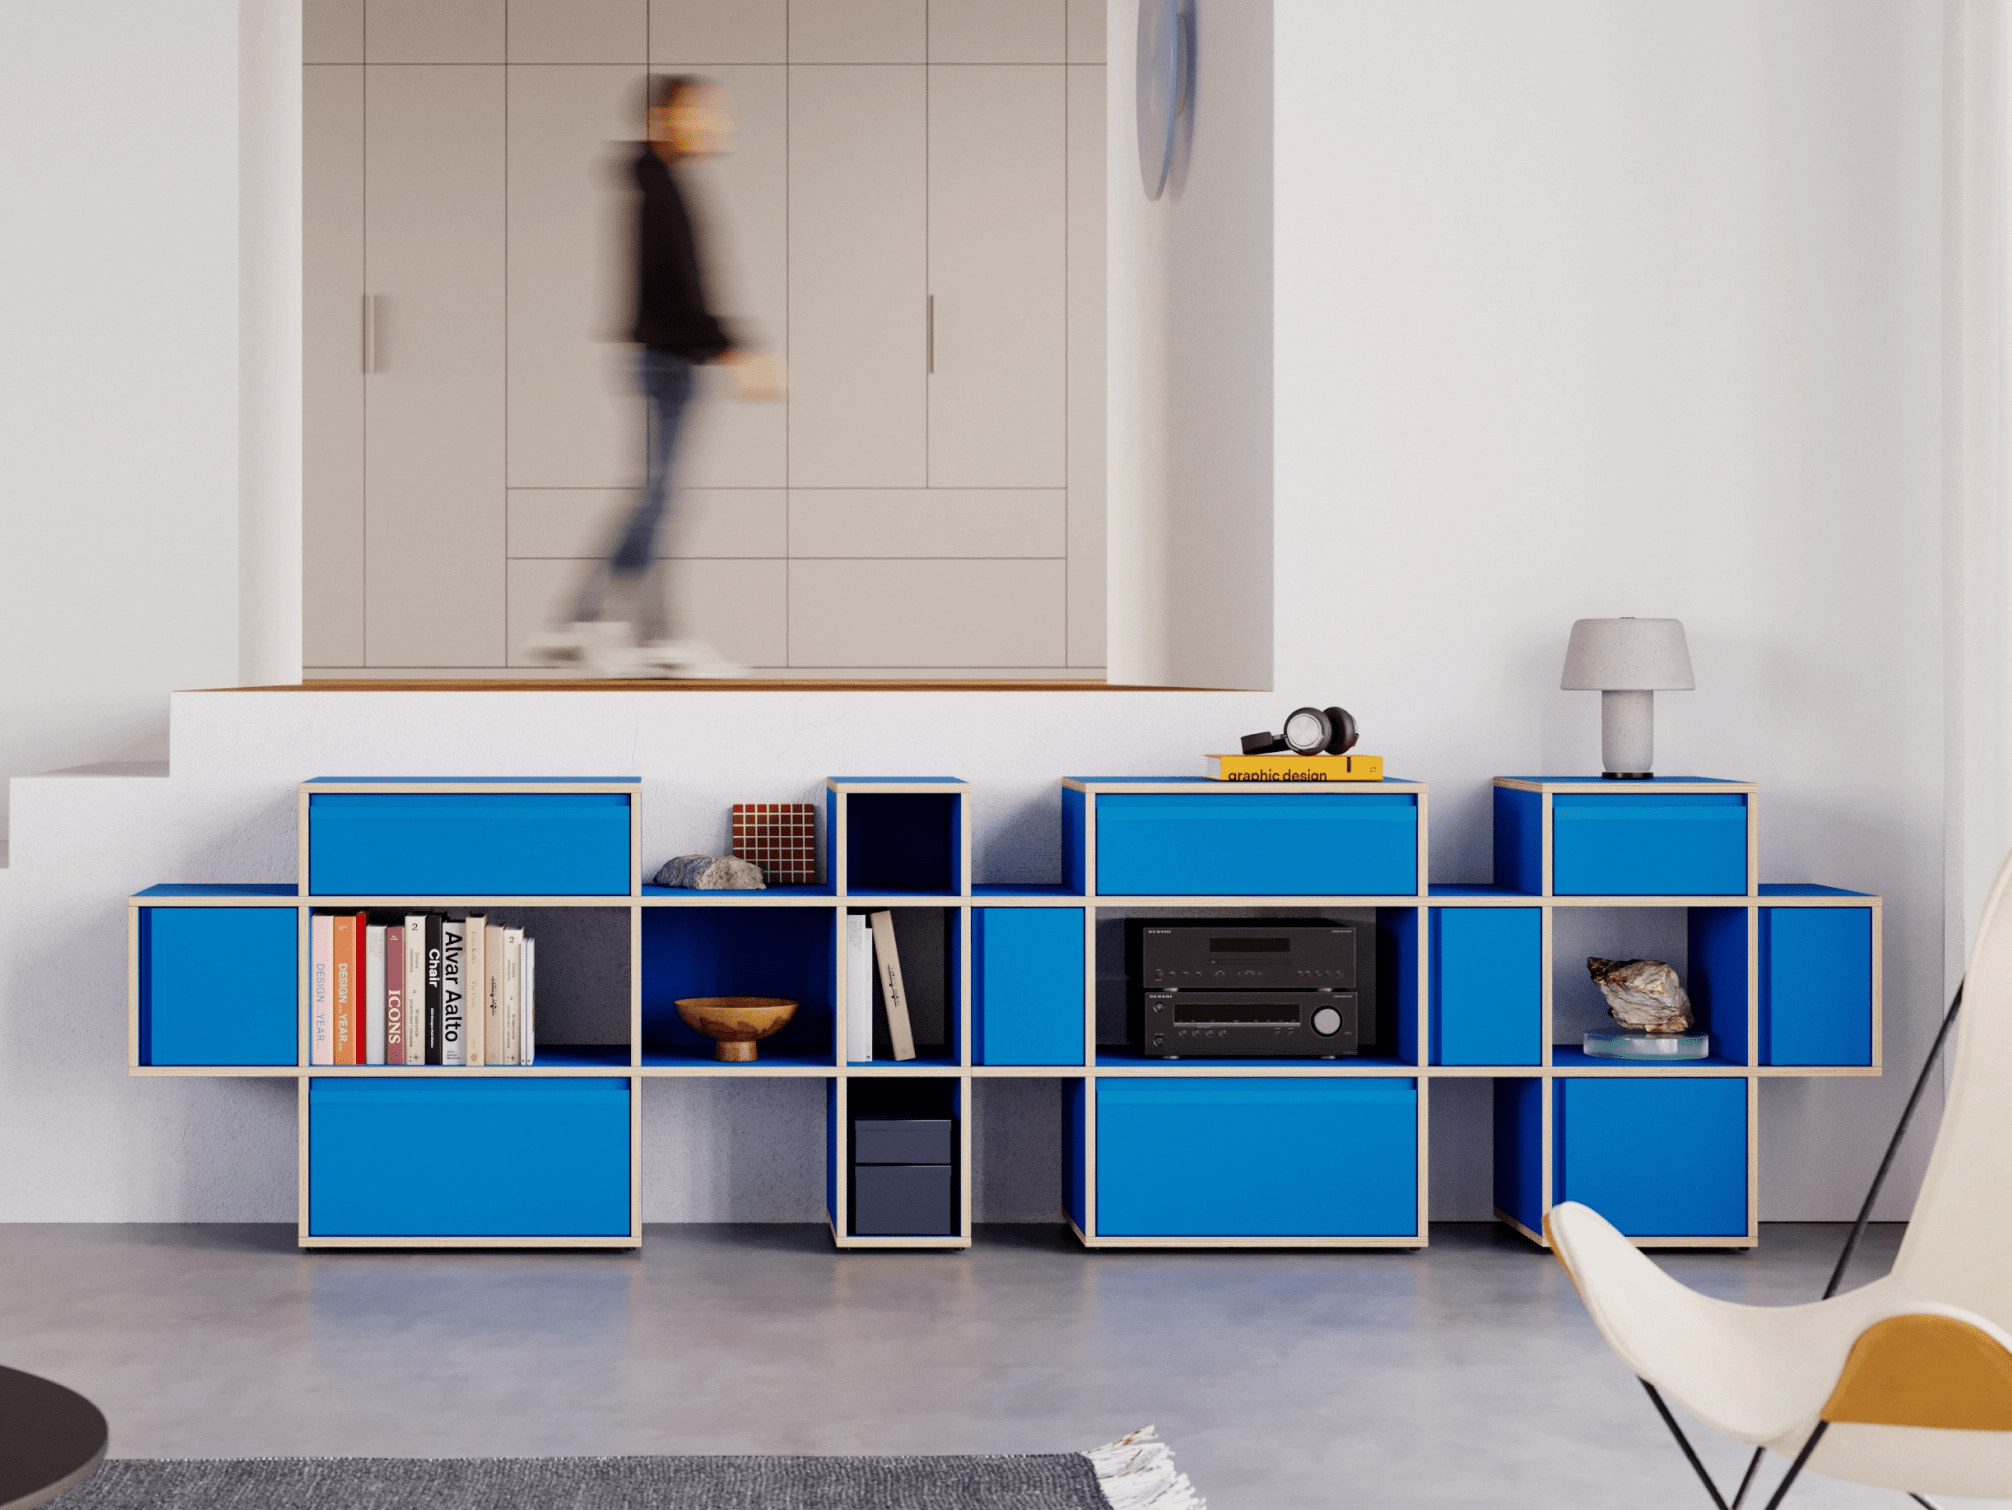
(650,890)
(473,781)
(1114,1057)
(896,781)
(1477,889)
(1302,787)
(1808,889)
(222,890)
(1622,786)
(672,1059)
(574,1056)
(1566,1056)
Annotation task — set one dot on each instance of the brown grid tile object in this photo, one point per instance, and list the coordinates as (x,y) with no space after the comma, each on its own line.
(780,837)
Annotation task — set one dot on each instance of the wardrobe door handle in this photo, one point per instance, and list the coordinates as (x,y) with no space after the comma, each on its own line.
(370,333)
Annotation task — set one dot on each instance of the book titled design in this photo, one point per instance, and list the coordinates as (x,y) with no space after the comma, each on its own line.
(432,925)
(453,992)
(1285,768)
(415,988)
(858,989)
(899,1032)
(342,965)
(321,990)
(373,993)
(474,977)
(394,994)
(492,995)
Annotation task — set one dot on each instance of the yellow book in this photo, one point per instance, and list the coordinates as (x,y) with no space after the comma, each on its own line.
(1288,767)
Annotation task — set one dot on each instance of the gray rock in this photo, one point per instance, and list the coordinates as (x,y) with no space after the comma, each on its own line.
(711,873)
(1643,994)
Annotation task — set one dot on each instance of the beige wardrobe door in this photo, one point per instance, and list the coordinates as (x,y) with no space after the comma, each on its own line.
(858,219)
(332,365)
(998,184)
(434,401)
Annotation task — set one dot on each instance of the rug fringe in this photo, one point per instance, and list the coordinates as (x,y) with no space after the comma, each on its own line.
(1137,1472)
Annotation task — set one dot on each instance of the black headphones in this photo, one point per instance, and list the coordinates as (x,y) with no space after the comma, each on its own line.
(1308,731)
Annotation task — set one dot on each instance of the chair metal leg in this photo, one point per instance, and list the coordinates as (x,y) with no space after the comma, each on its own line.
(1690,1453)
(1920,1501)
(1747,1480)
(1795,1468)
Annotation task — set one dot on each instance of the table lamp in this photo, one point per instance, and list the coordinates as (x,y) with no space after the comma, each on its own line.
(1627,661)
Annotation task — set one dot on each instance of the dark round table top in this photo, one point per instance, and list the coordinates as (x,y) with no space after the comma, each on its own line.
(51,1439)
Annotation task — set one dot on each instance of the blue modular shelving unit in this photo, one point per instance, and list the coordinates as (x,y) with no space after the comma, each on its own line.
(1014,980)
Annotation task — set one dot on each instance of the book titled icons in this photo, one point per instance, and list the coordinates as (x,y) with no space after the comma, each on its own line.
(428,988)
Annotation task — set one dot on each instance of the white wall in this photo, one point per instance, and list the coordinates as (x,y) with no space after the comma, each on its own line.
(118,384)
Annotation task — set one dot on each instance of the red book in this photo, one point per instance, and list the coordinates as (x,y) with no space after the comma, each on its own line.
(394,994)
(348,978)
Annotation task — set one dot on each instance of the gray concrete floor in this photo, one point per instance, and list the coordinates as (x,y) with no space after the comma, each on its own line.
(1467,1374)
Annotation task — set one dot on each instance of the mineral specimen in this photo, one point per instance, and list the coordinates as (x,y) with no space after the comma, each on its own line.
(1642,994)
(711,873)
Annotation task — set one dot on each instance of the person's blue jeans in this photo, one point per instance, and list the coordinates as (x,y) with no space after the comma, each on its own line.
(632,564)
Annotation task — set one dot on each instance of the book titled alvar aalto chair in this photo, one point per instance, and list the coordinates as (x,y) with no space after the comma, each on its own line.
(1904,1383)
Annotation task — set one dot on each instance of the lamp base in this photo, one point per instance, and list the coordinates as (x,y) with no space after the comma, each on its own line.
(1626,775)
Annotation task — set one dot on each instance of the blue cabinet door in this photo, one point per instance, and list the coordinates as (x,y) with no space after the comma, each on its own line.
(1657,1158)
(1677,844)
(1487,985)
(488,1157)
(1816,985)
(219,985)
(1257,1157)
(1257,844)
(468,844)
(1027,984)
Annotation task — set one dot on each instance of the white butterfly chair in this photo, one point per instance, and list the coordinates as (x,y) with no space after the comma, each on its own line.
(1905,1383)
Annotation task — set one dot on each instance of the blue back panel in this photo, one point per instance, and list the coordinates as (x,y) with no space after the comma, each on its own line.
(1649,844)
(434,1157)
(468,844)
(1487,985)
(1816,985)
(219,985)
(1257,844)
(1027,984)
(1519,1151)
(1075,848)
(1076,1155)
(741,951)
(1519,839)
(1657,1158)
(1255,1157)
(1397,961)
(1718,984)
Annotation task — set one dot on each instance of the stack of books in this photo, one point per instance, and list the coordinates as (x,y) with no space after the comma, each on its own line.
(869,941)
(429,989)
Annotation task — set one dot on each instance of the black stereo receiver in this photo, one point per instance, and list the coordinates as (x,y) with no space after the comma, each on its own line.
(1264,1024)
(1244,956)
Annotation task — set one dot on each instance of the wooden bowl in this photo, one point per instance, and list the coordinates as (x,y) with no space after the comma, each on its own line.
(736,1022)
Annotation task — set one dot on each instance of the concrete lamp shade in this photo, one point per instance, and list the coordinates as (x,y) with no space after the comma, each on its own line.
(1628,661)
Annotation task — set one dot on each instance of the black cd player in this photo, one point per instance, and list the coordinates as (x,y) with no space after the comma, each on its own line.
(1255,1024)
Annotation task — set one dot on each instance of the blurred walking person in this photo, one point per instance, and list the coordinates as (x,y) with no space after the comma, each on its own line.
(621,619)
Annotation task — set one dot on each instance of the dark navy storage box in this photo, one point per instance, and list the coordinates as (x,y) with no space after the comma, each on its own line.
(1487,985)
(420,844)
(219,985)
(1649,844)
(1656,1157)
(1816,985)
(1257,844)
(1027,984)
(542,1156)
(1280,1156)
(904,1200)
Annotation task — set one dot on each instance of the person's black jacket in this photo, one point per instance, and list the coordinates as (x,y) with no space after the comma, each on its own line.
(671,313)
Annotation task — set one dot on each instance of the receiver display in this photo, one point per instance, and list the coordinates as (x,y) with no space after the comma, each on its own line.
(1220,1012)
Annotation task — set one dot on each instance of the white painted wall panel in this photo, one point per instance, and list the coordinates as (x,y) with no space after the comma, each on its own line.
(1087,20)
(998,31)
(997,270)
(858,31)
(434,31)
(858,224)
(1087,387)
(434,408)
(575,415)
(331,31)
(719,31)
(332,367)
(580,523)
(927,522)
(925,613)
(579,31)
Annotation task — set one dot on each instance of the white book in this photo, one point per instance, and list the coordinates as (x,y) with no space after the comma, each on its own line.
(513,995)
(530,1025)
(494,1043)
(858,990)
(373,994)
(415,988)
(475,980)
(453,990)
(320,998)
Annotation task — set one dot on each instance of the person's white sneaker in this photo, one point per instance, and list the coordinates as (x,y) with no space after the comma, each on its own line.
(581,643)
(693,660)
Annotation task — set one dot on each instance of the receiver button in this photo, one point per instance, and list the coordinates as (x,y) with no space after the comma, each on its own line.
(1327,1022)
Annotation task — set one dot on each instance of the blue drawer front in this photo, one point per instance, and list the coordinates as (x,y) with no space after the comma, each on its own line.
(1257,844)
(1678,845)
(1254,1157)
(468,844)
(1027,980)
(1657,1158)
(1816,985)
(1487,985)
(432,1157)
(219,985)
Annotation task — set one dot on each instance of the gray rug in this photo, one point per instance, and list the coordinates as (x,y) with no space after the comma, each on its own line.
(1050,1481)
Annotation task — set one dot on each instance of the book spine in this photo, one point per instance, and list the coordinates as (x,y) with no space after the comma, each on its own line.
(899,1032)
(321,990)
(373,994)
(394,994)
(529,1027)
(415,988)
(453,991)
(492,995)
(513,994)
(343,957)
(433,988)
(474,1016)
(858,990)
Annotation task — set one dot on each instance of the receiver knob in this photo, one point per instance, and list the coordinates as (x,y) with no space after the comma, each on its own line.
(1327,1022)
